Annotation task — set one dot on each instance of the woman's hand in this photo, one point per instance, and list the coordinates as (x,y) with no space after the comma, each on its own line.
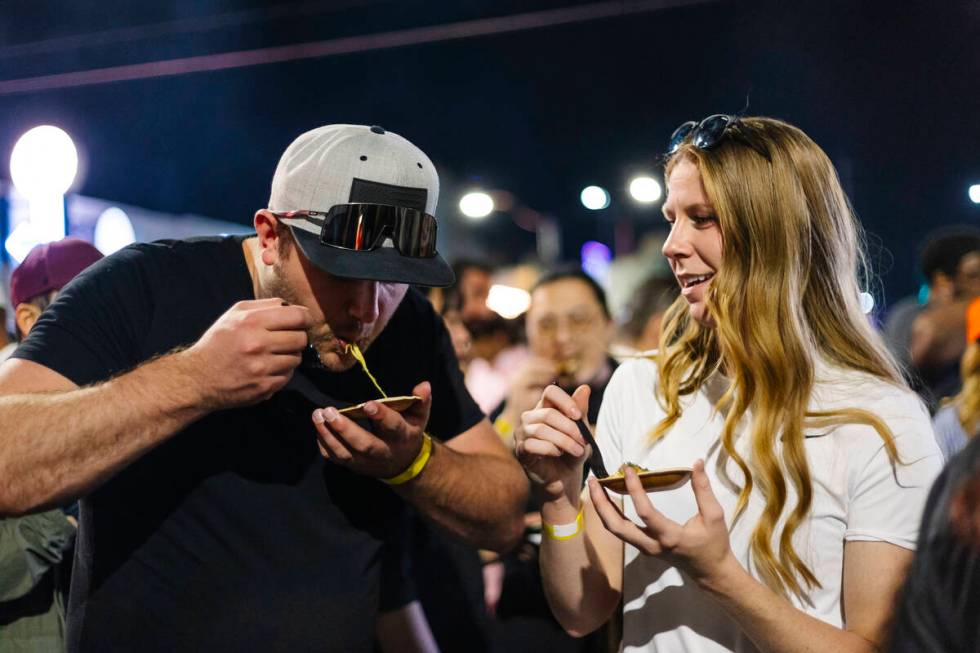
(528,383)
(550,446)
(700,547)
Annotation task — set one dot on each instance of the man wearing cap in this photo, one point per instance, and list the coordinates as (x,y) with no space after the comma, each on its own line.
(198,379)
(35,551)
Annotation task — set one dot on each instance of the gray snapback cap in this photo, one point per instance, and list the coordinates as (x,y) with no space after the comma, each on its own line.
(345,164)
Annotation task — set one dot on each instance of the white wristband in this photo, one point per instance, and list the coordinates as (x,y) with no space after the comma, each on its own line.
(564,531)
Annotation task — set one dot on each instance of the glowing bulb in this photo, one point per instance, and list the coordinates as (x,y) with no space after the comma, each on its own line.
(476,205)
(44,161)
(113,231)
(596,260)
(645,189)
(975,193)
(594,198)
(506,301)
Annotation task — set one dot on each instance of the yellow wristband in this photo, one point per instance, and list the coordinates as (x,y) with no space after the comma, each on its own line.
(564,531)
(417,465)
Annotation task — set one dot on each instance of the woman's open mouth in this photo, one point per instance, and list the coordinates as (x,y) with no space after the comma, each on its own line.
(691,281)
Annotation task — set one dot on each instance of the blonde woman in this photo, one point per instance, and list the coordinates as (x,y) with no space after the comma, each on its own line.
(811,458)
(959,418)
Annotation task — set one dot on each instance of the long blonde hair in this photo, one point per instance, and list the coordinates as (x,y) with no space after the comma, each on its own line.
(785,296)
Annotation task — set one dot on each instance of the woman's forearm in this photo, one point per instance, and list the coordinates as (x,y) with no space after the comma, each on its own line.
(772,623)
(582,575)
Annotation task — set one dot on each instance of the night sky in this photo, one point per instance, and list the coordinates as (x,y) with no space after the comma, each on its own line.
(889,90)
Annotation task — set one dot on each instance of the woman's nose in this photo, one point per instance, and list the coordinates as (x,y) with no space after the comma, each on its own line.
(677,244)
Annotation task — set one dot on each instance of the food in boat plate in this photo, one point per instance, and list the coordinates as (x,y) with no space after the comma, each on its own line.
(652,479)
(568,367)
(395,403)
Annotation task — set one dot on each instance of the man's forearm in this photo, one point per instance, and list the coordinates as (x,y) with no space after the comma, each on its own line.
(478,497)
(58,446)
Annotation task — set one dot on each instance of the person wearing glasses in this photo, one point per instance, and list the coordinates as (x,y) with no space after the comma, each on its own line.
(188,392)
(569,329)
(811,457)
(568,334)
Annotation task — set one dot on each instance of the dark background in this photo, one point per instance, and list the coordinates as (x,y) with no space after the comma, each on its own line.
(890,90)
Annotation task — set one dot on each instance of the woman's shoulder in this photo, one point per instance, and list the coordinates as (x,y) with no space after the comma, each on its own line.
(837,388)
(900,409)
(634,372)
(632,382)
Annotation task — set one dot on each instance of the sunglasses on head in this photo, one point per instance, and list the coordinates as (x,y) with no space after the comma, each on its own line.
(364,227)
(708,133)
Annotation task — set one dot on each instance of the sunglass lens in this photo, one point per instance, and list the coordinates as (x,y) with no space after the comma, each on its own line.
(366,226)
(680,135)
(416,234)
(351,227)
(710,130)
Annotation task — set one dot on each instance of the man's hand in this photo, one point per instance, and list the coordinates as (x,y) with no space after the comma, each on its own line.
(938,336)
(389,450)
(250,352)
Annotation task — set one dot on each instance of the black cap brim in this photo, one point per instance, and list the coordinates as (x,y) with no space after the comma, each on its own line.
(381,264)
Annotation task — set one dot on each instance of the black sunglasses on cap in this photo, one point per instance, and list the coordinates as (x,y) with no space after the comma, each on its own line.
(706,134)
(363,227)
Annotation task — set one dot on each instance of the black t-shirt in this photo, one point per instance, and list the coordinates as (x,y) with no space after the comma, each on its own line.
(940,606)
(234,534)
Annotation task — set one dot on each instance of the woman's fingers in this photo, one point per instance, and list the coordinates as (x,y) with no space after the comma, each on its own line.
(618,524)
(536,447)
(708,505)
(555,420)
(665,531)
(555,397)
(544,431)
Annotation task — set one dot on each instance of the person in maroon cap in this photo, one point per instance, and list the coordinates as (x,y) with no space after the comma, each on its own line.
(36,281)
(35,550)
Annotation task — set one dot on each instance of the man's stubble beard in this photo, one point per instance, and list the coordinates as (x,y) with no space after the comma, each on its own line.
(320,337)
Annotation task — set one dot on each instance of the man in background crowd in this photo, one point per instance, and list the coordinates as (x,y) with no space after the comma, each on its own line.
(569,329)
(495,352)
(35,551)
(930,338)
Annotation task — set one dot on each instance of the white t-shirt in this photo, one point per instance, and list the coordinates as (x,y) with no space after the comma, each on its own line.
(856,496)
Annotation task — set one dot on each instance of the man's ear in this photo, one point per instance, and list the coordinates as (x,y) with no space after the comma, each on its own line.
(26,315)
(266,228)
